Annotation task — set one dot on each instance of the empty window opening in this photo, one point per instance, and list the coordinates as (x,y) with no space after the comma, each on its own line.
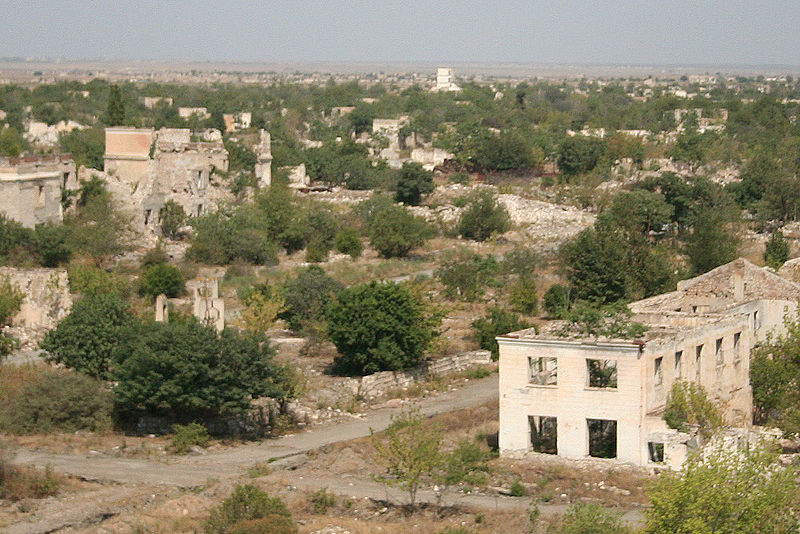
(147,214)
(698,362)
(694,309)
(602,438)
(737,355)
(544,434)
(199,210)
(655,452)
(719,357)
(678,364)
(602,373)
(64,179)
(40,196)
(755,320)
(543,371)
(658,374)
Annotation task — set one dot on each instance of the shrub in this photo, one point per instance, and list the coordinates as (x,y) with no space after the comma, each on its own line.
(777,250)
(51,243)
(271,524)
(348,241)
(688,403)
(247,502)
(307,296)
(18,483)
(321,500)
(466,274)
(493,324)
(316,252)
(523,297)
(556,301)
(379,327)
(58,401)
(467,463)
(592,519)
(10,301)
(483,216)
(185,437)
(413,182)
(394,231)
(89,280)
(91,337)
(239,234)
(12,236)
(172,219)
(518,489)
(162,278)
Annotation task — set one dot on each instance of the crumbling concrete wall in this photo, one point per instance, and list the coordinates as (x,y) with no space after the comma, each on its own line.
(127,153)
(263,169)
(31,187)
(47,301)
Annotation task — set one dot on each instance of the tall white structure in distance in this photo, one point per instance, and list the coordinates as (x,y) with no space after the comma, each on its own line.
(444,80)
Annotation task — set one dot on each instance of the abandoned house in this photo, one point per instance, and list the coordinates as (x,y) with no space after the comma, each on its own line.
(578,396)
(31,187)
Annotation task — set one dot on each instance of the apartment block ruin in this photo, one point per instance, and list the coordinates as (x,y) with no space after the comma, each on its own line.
(31,187)
(445,80)
(578,396)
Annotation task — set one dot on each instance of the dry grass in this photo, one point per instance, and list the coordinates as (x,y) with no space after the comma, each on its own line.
(18,483)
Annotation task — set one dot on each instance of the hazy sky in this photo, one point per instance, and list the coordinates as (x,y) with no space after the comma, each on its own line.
(555,31)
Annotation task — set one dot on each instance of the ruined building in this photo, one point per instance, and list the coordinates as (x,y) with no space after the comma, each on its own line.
(445,80)
(578,396)
(147,168)
(31,187)
(263,170)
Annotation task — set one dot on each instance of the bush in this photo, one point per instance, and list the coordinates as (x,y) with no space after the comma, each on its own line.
(348,241)
(162,278)
(522,296)
(467,463)
(18,483)
(413,182)
(556,301)
(465,274)
(493,324)
(187,436)
(316,252)
(10,300)
(483,216)
(321,500)
(52,245)
(92,336)
(379,327)
(172,219)
(226,236)
(592,519)
(777,250)
(247,502)
(306,297)
(271,524)
(394,231)
(89,280)
(518,489)
(688,403)
(57,401)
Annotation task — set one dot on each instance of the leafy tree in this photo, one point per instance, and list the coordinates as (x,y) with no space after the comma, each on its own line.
(92,336)
(639,212)
(87,279)
(262,307)
(727,491)
(483,216)
(12,236)
(115,108)
(777,250)
(98,228)
(394,231)
(597,266)
(233,368)
(466,463)
(410,450)
(240,156)
(465,274)
(611,320)
(162,278)
(506,151)
(712,242)
(87,147)
(523,296)
(556,301)
(361,118)
(307,297)
(247,503)
(226,236)
(413,182)
(579,154)
(348,241)
(172,217)
(496,323)
(10,300)
(11,142)
(379,327)
(52,245)
(688,403)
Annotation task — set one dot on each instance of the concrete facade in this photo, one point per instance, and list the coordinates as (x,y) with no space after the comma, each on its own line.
(445,80)
(703,333)
(127,152)
(263,169)
(31,187)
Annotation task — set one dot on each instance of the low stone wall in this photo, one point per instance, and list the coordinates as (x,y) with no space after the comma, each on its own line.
(377,384)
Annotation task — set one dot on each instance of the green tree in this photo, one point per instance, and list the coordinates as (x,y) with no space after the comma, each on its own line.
(483,216)
(394,231)
(413,182)
(579,154)
(777,250)
(162,278)
(556,301)
(712,242)
(92,336)
(98,228)
(592,519)
(52,246)
(688,403)
(246,503)
(232,367)
(465,274)
(307,297)
(496,323)
(410,450)
(12,236)
(172,218)
(115,107)
(379,327)
(726,491)
(348,241)
(87,146)
(11,142)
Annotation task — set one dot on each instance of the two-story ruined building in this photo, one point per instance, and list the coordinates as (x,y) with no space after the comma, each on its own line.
(583,397)
(31,187)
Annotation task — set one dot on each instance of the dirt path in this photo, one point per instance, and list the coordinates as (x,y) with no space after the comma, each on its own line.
(196,470)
